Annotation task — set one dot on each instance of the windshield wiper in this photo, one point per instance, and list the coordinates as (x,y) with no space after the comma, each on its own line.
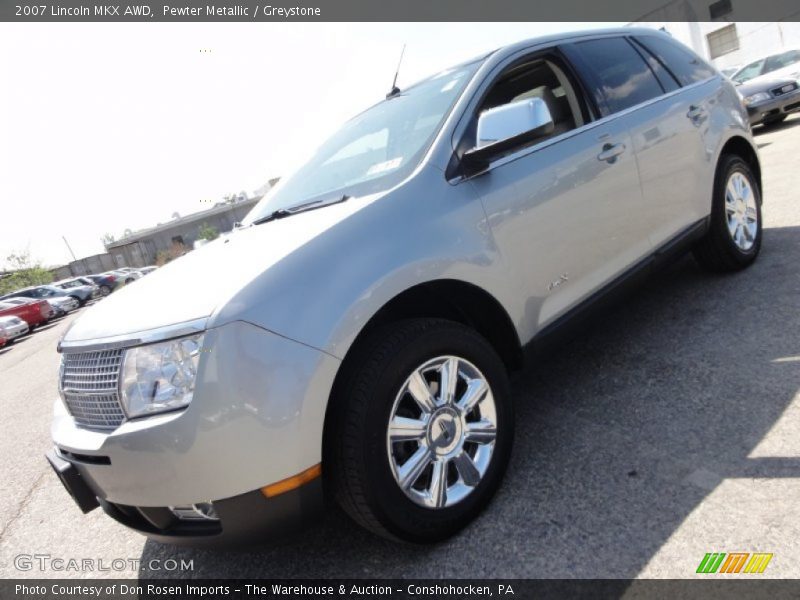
(293,210)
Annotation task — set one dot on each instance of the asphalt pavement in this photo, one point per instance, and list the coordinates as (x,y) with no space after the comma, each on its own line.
(667,430)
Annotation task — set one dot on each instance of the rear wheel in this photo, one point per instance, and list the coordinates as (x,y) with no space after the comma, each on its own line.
(733,240)
(105,290)
(421,430)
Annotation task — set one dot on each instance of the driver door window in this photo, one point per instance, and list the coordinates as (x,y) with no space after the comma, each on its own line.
(542,79)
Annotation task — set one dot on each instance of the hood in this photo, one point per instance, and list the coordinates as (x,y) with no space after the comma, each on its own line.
(763,83)
(197,284)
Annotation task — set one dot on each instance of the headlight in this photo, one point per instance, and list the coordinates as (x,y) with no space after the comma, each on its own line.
(759,97)
(159,377)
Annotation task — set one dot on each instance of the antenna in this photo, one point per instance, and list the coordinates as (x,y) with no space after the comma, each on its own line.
(396,90)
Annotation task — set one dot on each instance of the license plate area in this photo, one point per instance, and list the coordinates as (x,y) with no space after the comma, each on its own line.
(73,482)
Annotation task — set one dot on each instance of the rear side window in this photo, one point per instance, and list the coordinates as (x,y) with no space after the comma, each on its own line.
(620,76)
(665,78)
(683,64)
(782,60)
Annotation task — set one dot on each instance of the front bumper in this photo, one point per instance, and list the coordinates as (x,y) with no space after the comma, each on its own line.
(773,109)
(256,418)
(242,520)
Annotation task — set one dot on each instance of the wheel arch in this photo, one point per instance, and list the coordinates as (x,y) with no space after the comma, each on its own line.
(454,300)
(743,148)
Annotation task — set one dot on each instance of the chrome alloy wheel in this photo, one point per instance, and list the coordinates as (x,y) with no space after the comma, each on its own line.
(441,432)
(741,211)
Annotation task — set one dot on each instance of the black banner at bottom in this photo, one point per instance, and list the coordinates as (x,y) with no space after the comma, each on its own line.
(400,589)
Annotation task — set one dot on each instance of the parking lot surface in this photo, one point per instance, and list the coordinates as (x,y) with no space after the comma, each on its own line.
(667,430)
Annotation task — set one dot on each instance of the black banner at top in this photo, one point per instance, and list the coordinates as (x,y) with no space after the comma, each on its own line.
(402,10)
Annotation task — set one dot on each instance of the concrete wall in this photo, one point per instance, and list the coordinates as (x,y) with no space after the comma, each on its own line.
(143,249)
(85,266)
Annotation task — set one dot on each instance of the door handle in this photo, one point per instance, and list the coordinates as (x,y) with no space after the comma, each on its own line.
(696,112)
(611,152)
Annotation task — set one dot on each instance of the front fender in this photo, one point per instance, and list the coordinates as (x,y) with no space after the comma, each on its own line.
(325,292)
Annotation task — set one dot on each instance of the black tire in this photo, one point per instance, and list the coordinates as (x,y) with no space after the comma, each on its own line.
(717,251)
(80,302)
(774,121)
(359,470)
(105,290)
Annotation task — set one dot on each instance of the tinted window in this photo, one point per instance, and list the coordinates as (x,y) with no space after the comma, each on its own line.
(665,78)
(621,77)
(683,64)
(782,60)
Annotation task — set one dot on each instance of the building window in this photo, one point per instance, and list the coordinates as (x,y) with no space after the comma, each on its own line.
(722,41)
(719,9)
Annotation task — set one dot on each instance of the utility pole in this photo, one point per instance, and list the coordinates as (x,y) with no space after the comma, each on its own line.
(68,247)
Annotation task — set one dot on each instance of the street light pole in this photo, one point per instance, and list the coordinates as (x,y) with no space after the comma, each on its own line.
(68,247)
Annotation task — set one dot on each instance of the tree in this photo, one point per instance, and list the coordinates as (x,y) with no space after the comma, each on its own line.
(208,232)
(175,251)
(25,271)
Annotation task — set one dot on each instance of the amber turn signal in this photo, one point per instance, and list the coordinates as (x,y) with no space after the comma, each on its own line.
(293,482)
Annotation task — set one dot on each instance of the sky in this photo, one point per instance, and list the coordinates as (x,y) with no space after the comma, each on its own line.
(112,126)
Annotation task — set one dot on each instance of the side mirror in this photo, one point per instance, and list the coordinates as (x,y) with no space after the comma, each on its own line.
(506,127)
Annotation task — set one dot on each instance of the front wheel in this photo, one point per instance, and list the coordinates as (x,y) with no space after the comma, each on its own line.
(733,240)
(421,430)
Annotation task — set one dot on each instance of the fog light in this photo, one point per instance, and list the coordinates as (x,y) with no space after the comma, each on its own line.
(204,511)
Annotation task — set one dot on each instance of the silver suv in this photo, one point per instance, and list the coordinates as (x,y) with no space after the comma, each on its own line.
(359,327)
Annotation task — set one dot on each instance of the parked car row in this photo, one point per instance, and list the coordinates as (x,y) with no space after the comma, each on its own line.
(110,281)
(23,310)
(19,316)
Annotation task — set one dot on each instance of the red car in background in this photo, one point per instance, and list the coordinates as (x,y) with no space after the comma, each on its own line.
(33,313)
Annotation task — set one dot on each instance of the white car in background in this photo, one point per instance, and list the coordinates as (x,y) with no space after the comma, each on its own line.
(129,274)
(63,304)
(13,328)
(784,65)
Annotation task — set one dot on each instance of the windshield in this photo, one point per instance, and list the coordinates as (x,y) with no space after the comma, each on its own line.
(749,72)
(375,150)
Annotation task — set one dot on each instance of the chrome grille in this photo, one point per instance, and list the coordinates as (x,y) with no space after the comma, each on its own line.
(779,91)
(90,388)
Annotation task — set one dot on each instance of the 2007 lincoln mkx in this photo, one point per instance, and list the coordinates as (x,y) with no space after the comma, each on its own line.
(356,339)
